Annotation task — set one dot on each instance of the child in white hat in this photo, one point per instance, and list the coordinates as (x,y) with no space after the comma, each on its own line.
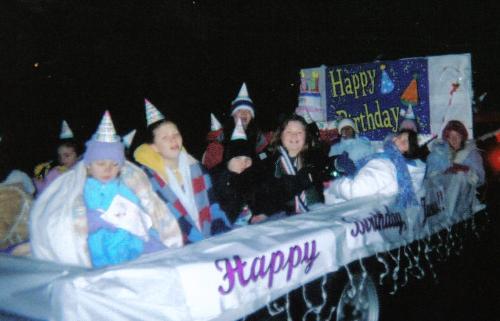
(234,180)
(351,148)
(242,108)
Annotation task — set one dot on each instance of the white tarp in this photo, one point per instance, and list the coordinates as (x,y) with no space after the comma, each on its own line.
(234,274)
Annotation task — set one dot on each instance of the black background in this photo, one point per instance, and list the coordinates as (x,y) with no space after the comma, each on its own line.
(191,57)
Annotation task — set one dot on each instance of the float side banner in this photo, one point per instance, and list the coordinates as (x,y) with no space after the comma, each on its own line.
(375,95)
(312,100)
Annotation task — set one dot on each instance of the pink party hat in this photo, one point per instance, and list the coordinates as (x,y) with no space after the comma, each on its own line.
(152,113)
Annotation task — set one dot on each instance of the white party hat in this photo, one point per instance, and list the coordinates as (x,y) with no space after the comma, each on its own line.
(152,113)
(409,113)
(214,123)
(127,139)
(66,132)
(106,132)
(243,101)
(239,131)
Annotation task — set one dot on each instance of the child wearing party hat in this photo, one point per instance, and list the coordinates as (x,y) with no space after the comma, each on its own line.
(67,156)
(118,229)
(235,181)
(179,179)
(242,107)
(103,212)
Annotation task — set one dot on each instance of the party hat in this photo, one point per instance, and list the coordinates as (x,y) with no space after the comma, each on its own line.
(409,120)
(106,132)
(386,85)
(239,131)
(127,139)
(410,94)
(152,113)
(214,123)
(409,113)
(242,101)
(66,132)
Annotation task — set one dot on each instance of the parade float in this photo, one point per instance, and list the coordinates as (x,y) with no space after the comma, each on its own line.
(322,265)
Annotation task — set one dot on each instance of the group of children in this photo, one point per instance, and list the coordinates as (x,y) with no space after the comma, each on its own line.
(107,210)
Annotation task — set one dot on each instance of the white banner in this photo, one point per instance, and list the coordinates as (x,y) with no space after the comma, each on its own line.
(231,275)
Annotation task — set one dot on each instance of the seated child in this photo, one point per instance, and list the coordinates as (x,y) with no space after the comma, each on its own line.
(67,156)
(234,181)
(118,229)
(180,180)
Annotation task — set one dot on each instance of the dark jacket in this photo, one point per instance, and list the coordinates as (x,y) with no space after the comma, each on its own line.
(277,190)
(234,191)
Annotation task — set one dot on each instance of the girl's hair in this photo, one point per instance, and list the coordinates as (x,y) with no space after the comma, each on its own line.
(458,127)
(276,140)
(412,143)
(149,136)
(69,143)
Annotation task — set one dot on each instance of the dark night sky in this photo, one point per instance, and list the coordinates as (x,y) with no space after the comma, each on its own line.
(190,57)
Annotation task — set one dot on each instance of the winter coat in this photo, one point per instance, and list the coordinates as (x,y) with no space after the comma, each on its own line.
(442,157)
(235,191)
(378,176)
(58,219)
(277,189)
(119,238)
(211,218)
(42,183)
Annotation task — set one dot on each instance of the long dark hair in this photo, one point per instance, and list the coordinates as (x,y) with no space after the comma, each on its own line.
(69,143)
(276,140)
(412,143)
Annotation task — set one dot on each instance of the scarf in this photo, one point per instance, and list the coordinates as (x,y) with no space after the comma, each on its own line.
(185,192)
(406,196)
(291,169)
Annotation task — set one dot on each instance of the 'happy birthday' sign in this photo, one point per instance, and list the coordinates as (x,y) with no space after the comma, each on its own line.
(374,94)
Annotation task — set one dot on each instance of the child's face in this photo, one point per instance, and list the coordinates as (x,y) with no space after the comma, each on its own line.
(67,156)
(293,137)
(167,141)
(454,139)
(402,143)
(104,170)
(239,164)
(347,132)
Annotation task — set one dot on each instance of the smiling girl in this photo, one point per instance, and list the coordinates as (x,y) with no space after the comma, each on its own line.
(294,174)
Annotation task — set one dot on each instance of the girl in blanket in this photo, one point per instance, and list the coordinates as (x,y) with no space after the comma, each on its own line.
(455,154)
(119,230)
(179,179)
